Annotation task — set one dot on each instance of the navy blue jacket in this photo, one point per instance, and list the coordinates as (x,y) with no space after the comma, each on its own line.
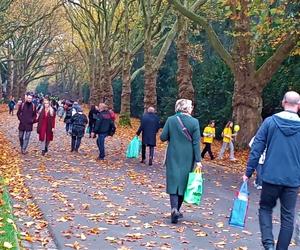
(281,137)
(149,128)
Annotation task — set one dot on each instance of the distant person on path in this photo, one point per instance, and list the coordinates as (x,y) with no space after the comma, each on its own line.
(183,134)
(104,126)
(11,105)
(93,111)
(227,141)
(78,122)
(68,116)
(280,134)
(209,134)
(149,128)
(27,116)
(46,125)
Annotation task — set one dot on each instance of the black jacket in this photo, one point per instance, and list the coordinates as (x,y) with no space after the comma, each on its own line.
(149,128)
(103,123)
(68,115)
(78,121)
(92,120)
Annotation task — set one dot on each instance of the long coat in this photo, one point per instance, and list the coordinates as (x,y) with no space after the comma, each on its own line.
(149,128)
(27,116)
(181,153)
(46,122)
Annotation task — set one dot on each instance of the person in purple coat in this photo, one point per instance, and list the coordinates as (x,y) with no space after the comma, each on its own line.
(149,128)
(27,116)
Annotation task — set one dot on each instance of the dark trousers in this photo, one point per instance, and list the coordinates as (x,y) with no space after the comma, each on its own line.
(151,152)
(207,148)
(176,201)
(75,144)
(101,145)
(68,127)
(288,198)
(11,111)
(24,137)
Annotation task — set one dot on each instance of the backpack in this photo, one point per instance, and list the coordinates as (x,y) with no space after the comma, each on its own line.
(112,130)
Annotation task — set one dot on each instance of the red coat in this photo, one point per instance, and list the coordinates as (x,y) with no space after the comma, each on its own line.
(46,122)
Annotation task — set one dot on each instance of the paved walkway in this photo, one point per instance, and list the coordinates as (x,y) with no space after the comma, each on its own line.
(121,204)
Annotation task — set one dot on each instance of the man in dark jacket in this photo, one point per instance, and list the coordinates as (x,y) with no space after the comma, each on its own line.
(149,128)
(280,134)
(27,116)
(104,126)
(78,123)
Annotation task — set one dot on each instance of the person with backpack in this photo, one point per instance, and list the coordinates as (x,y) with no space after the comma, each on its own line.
(46,125)
(104,126)
(78,123)
(149,128)
(209,134)
(11,105)
(27,116)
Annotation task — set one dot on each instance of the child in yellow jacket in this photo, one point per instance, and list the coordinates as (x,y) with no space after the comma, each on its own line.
(228,141)
(209,134)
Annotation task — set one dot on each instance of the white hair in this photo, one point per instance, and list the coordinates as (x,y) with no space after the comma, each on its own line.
(184,105)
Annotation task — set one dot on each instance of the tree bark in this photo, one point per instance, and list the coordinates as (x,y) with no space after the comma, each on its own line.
(106,84)
(184,72)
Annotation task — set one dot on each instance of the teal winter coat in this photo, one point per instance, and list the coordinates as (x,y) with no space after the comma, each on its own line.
(181,153)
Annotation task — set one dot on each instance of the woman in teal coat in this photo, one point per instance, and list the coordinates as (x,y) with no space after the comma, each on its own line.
(183,152)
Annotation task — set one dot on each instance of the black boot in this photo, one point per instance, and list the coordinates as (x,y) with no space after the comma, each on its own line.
(174,216)
(43,152)
(150,162)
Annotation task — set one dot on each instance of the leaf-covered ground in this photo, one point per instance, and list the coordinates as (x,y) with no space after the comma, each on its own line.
(119,203)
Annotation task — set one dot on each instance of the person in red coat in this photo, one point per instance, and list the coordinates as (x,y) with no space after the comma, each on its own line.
(46,125)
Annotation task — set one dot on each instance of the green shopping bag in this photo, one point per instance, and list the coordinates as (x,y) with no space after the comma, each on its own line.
(134,148)
(194,189)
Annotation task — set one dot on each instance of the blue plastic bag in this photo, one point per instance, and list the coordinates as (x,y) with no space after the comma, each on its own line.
(240,207)
(134,148)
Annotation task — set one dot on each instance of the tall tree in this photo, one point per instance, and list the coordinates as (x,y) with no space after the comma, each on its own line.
(247,18)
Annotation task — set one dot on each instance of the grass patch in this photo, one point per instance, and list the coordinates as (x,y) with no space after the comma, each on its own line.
(8,229)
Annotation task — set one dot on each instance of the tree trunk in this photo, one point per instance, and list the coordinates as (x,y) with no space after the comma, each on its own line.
(247,107)
(184,72)
(9,84)
(126,90)
(106,84)
(150,99)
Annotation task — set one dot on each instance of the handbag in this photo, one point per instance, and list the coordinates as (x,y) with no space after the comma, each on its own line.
(185,131)
(240,207)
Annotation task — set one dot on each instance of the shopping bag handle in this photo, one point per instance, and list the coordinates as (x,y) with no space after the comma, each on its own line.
(197,170)
(244,187)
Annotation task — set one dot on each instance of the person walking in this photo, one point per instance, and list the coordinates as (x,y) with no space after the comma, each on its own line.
(46,125)
(280,134)
(104,126)
(78,123)
(149,127)
(209,134)
(93,111)
(26,116)
(183,135)
(11,105)
(68,116)
(227,141)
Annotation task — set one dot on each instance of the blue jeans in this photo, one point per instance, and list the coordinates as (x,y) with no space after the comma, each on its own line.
(101,146)
(288,197)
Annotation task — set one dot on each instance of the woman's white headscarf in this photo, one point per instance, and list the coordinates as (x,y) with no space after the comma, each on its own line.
(184,106)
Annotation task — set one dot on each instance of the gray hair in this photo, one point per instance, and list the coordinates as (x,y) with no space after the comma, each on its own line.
(151,110)
(184,105)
